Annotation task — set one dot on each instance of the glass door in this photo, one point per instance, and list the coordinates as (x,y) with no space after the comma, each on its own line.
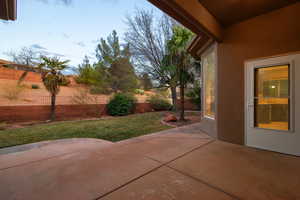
(272,96)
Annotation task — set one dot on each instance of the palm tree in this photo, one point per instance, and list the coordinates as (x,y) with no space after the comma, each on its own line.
(52,77)
(177,47)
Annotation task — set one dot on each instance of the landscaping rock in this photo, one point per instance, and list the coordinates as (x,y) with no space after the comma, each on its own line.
(170,118)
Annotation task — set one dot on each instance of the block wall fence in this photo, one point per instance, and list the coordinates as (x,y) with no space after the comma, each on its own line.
(65,112)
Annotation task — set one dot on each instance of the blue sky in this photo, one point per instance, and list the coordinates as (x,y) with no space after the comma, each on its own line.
(67,30)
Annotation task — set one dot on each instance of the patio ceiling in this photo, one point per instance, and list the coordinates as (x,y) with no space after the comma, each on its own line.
(229,12)
(8,9)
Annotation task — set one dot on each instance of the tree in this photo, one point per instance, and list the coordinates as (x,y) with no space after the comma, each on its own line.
(117,59)
(94,75)
(25,56)
(181,59)
(148,39)
(122,76)
(109,50)
(87,73)
(52,77)
(146,82)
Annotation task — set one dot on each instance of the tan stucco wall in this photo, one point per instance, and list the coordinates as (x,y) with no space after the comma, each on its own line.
(274,33)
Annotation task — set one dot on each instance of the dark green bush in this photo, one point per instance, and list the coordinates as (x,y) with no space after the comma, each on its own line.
(121,104)
(34,86)
(159,103)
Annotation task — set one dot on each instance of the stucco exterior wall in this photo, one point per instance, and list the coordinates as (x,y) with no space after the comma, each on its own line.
(274,33)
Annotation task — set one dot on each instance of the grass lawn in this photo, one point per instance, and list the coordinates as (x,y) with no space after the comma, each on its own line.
(112,129)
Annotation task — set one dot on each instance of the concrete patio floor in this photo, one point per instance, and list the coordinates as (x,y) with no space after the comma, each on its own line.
(178,164)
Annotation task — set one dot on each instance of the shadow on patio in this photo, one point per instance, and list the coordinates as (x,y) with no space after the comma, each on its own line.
(173,164)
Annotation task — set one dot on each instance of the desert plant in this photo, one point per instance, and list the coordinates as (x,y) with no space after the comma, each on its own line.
(121,104)
(13,92)
(181,58)
(65,81)
(100,90)
(51,70)
(35,86)
(3,126)
(159,103)
(82,96)
(139,91)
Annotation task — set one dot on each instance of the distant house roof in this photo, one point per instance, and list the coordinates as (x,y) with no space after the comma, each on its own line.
(12,65)
(5,62)
(8,9)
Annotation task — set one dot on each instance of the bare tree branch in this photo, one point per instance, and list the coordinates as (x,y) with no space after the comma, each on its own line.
(148,38)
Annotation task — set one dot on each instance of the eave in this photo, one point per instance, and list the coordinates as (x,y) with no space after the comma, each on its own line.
(192,15)
(8,9)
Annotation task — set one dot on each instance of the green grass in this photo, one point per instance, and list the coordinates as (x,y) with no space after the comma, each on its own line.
(112,129)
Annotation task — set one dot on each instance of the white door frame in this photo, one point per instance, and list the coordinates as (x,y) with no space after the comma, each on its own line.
(275,140)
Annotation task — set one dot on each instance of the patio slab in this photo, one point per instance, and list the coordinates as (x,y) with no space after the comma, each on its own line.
(160,149)
(166,184)
(74,176)
(166,165)
(244,172)
(19,155)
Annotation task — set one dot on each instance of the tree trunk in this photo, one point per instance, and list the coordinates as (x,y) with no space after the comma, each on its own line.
(53,101)
(174,98)
(182,97)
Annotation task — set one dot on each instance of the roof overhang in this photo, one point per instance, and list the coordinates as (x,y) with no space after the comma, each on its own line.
(195,17)
(192,15)
(198,45)
(8,9)
(208,18)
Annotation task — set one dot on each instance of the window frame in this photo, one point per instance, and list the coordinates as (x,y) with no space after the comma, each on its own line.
(291,66)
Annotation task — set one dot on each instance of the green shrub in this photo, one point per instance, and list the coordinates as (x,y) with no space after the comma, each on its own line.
(159,103)
(34,86)
(121,104)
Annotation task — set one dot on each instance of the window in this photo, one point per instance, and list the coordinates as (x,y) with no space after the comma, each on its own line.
(272,98)
(209,65)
